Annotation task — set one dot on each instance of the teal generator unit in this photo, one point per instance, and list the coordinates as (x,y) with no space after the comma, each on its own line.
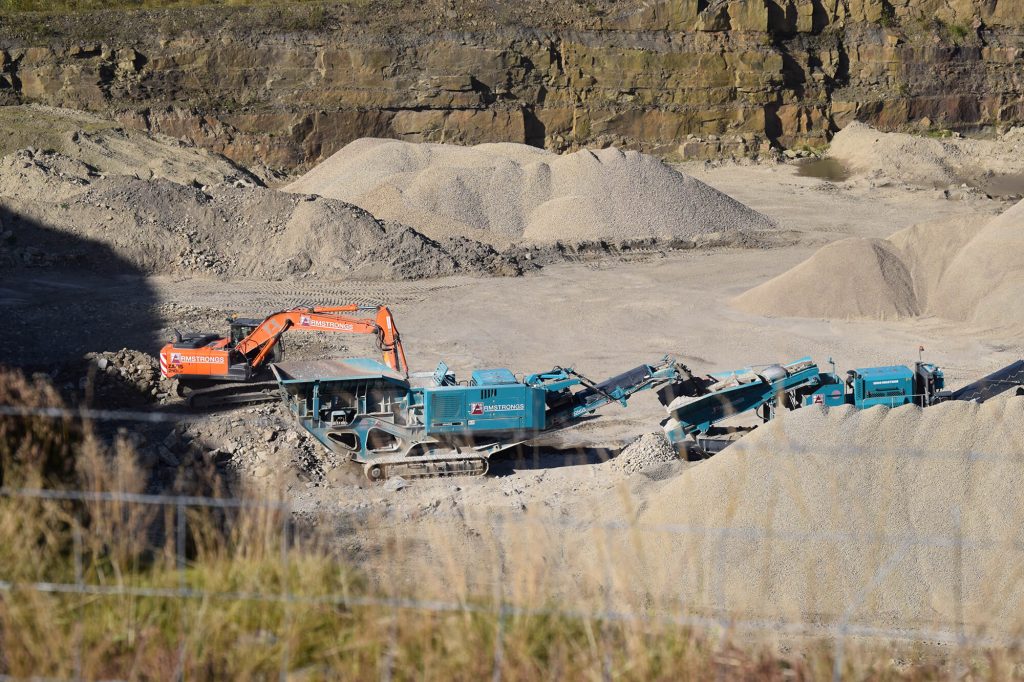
(887,386)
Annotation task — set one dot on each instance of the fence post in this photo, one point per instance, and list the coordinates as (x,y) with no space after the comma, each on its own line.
(719,592)
(606,662)
(80,585)
(499,602)
(838,657)
(719,587)
(182,583)
(387,667)
(286,515)
(884,570)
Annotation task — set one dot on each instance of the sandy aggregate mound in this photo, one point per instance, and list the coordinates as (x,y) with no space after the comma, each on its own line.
(860,515)
(927,161)
(501,193)
(161,227)
(903,518)
(984,282)
(849,278)
(964,269)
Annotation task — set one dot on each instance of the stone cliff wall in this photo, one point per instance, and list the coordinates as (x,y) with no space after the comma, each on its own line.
(687,77)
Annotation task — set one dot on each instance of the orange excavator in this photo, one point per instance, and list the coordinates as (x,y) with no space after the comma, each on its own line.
(215,370)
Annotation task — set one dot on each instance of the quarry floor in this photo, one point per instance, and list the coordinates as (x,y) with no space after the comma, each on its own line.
(607,316)
(601,317)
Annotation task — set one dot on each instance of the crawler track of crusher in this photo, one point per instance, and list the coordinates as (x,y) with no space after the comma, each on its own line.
(425,467)
(445,459)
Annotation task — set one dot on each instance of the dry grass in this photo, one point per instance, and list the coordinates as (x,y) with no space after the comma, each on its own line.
(42,128)
(257,599)
(71,6)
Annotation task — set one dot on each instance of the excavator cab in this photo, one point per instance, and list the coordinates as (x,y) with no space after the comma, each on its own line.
(241,327)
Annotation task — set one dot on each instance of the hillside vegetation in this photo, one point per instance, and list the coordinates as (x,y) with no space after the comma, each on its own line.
(66,6)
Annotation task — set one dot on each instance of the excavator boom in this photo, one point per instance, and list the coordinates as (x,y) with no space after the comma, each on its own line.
(203,359)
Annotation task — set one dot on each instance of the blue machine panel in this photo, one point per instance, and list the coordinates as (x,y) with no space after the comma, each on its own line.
(493,377)
(480,409)
(889,386)
(831,393)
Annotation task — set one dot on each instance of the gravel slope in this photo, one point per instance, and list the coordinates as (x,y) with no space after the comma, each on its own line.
(503,193)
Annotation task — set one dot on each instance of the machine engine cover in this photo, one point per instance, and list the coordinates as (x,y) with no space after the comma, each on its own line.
(480,409)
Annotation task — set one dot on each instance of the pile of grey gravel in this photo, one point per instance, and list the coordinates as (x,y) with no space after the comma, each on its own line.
(505,193)
(646,451)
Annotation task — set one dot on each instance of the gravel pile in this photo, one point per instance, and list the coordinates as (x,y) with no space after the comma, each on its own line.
(150,206)
(162,227)
(964,269)
(929,161)
(254,448)
(851,278)
(124,378)
(894,518)
(646,451)
(504,193)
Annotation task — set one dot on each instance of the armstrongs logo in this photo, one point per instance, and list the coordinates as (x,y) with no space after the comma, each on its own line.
(307,321)
(178,358)
(516,407)
(477,409)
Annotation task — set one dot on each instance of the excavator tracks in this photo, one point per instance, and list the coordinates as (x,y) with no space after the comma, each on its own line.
(231,394)
(425,467)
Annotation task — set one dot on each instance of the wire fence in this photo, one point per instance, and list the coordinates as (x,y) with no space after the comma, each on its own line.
(504,607)
(615,577)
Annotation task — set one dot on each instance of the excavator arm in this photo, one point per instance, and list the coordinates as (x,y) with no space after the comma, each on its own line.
(209,358)
(258,345)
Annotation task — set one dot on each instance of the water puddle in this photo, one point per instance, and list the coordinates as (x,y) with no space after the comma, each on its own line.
(824,169)
(1004,186)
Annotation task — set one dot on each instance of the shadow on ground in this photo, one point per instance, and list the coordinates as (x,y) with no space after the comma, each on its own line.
(62,296)
(534,458)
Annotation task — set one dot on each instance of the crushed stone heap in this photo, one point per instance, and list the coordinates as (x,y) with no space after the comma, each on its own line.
(504,193)
(966,269)
(903,516)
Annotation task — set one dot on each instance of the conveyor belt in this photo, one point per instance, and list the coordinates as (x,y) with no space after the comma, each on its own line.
(1005,379)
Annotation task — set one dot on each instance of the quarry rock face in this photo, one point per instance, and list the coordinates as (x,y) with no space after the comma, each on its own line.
(289,86)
